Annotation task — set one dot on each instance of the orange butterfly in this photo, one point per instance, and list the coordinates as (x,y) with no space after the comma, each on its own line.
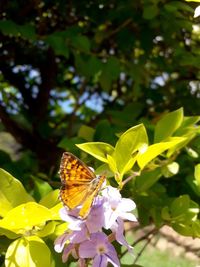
(80,185)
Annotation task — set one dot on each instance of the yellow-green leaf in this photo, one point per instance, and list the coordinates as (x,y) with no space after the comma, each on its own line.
(51,199)
(26,217)
(197,174)
(154,150)
(170,169)
(30,251)
(98,150)
(168,125)
(12,193)
(129,143)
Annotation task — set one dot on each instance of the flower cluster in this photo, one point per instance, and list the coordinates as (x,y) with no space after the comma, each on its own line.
(86,239)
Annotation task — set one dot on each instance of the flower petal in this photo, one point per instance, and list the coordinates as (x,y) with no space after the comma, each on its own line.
(74,223)
(87,249)
(79,236)
(118,228)
(128,216)
(67,251)
(112,256)
(127,204)
(95,219)
(111,193)
(100,261)
(60,242)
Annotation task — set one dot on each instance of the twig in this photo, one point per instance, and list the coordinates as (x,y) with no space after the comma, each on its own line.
(142,249)
(130,178)
(145,236)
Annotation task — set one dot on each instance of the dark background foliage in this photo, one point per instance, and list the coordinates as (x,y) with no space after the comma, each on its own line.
(74,71)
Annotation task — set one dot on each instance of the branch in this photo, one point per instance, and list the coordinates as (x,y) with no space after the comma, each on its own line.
(48,70)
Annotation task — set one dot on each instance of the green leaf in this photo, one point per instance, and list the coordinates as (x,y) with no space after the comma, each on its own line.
(28,251)
(26,217)
(12,193)
(8,234)
(168,125)
(42,188)
(147,179)
(48,229)
(129,143)
(59,44)
(82,43)
(8,27)
(180,206)
(154,150)
(110,72)
(112,164)
(87,65)
(197,174)
(150,12)
(86,132)
(170,169)
(98,150)
(185,140)
(51,199)
(184,210)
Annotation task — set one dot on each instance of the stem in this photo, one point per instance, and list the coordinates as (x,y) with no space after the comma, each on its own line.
(130,178)
(145,236)
(142,249)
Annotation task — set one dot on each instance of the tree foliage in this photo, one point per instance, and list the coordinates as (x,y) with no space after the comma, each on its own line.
(118,78)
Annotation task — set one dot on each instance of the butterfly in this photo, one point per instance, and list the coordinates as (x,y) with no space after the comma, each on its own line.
(80,185)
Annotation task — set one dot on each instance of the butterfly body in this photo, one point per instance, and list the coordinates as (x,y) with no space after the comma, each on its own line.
(80,185)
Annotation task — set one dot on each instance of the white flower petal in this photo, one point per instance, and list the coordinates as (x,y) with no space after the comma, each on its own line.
(128,216)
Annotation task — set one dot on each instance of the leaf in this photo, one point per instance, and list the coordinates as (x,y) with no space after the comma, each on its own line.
(81,42)
(59,44)
(87,65)
(129,143)
(112,164)
(48,229)
(86,132)
(150,12)
(154,150)
(168,125)
(197,174)
(98,150)
(110,72)
(197,1)
(51,199)
(25,217)
(147,179)
(28,251)
(42,188)
(170,169)
(12,193)
(184,210)
(8,27)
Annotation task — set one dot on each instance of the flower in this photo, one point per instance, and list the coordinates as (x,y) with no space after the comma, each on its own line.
(116,207)
(100,250)
(85,239)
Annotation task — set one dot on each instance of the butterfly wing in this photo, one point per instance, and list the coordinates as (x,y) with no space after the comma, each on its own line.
(91,194)
(76,178)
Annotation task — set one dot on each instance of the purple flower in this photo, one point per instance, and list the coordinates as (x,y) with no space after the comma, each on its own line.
(100,250)
(118,229)
(84,238)
(116,207)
